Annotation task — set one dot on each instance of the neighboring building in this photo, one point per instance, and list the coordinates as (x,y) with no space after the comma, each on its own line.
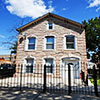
(54,40)
(98,65)
(90,64)
(3,61)
(10,58)
(6,57)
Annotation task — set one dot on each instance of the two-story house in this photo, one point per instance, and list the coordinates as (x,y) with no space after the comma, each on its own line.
(52,39)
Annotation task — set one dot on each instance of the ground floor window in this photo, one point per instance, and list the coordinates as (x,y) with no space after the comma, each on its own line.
(29,65)
(49,65)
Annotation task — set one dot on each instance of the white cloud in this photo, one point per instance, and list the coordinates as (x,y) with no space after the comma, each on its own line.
(50,6)
(93,3)
(28,8)
(64,9)
(97,9)
(2,36)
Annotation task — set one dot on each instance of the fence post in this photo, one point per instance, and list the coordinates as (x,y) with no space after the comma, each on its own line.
(69,79)
(44,85)
(21,78)
(95,80)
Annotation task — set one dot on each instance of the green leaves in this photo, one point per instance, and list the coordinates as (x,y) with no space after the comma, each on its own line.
(92,34)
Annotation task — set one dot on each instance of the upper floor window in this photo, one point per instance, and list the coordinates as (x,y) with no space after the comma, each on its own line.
(31,43)
(50,26)
(50,42)
(70,42)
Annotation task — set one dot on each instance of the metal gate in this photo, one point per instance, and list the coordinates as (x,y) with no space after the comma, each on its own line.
(17,77)
(59,82)
(49,78)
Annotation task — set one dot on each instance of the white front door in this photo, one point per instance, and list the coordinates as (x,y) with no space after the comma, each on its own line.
(64,70)
(74,67)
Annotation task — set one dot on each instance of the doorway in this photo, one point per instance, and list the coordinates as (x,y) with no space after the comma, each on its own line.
(74,67)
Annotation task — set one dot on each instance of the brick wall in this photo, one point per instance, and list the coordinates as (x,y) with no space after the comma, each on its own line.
(60,30)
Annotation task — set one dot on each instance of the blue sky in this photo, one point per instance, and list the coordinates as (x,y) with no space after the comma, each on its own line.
(13,12)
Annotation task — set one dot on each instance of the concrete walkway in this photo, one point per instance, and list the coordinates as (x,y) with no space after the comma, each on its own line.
(30,94)
(49,96)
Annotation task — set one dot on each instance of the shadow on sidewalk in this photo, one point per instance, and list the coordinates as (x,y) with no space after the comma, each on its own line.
(16,94)
(32,94)
(49,96)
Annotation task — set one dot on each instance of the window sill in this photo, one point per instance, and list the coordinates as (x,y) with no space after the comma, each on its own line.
(49,29)
(49,50)
(30,50)
(50,74)
(70,49)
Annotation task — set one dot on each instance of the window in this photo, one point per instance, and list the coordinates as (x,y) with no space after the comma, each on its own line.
(49,65)
(50,42)
(29,65)
(70,42)
(31,43)
(50,25)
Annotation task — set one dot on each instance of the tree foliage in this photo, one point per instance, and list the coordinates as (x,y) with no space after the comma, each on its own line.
(92,27)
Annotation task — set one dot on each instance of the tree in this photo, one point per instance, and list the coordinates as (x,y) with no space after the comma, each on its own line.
(13,47)
(11,43)
(92,27)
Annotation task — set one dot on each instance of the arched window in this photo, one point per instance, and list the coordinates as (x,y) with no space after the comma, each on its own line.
(49,65)
(29,65)
(70,42)
(31,43)
(49,42)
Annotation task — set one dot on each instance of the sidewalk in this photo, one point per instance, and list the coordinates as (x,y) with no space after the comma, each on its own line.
(13,94)
(66,97)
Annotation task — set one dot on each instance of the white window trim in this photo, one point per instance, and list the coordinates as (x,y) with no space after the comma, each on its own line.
(44,43)
(75,42)
(54,67)
(24,63)
(26,44)
(48,26)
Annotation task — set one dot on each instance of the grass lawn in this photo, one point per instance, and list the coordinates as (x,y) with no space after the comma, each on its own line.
(98,81)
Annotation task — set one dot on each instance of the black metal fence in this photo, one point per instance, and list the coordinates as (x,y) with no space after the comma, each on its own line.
(58,78)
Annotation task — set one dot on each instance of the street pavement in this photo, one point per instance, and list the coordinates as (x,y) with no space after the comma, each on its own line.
(30,94)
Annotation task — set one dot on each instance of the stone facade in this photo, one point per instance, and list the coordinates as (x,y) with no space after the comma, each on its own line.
(61,29)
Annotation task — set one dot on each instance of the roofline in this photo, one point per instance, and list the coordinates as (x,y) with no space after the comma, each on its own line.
(53,15)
